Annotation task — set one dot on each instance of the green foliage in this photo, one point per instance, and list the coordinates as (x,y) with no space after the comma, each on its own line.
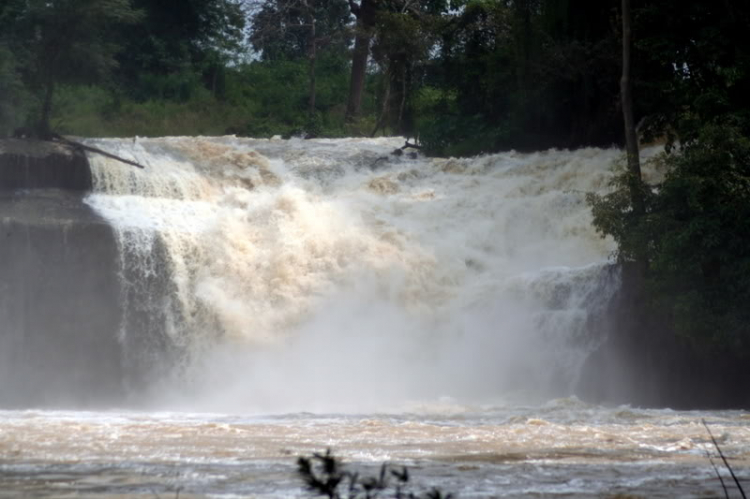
(253,104)
(457,135)
(695,65)
(445,131)
(179,86)
(175,34)
(95,112)
(701,260)
(65,42)
(404,35)
(13,98)
(465,76)
(79,110)
(324,475)
(694,237)
(614,215)
(522,74)
(277,93)
(526,74)
(280,29)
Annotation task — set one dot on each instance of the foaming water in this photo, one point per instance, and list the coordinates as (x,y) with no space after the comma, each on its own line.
(284,297)
(290,274)
(563,448)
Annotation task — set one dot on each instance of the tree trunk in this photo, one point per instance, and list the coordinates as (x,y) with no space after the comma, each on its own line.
(386,103)
(365,21)
(359,69)
(402,104)
(44,129)
(313,59)
(631,138)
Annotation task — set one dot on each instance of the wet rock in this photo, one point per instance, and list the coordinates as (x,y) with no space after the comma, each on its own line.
(36,164)
(60,309)
(645,362)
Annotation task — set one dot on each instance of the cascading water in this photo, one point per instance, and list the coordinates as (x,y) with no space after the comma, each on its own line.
(277,298)
(289,273)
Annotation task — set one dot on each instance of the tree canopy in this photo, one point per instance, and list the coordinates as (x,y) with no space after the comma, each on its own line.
(691,237)
(64,42)
(466,76)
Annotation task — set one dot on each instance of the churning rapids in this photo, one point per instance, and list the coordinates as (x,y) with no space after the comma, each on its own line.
(282,297)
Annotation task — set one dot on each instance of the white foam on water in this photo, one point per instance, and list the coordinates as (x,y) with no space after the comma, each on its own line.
(330,275)
(561,449)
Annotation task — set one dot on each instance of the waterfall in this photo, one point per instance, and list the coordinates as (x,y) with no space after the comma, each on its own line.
(291,274)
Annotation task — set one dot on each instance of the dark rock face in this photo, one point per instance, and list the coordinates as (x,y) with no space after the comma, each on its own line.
(645,363)
(59,288)
(33,164)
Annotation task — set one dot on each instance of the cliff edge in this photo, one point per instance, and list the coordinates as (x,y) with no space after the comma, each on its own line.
(60,307)
(37,164)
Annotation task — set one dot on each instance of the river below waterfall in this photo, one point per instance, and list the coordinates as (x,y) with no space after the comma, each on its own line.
(283,297)
(563,448)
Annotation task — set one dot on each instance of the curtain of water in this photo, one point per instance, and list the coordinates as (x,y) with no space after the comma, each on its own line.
(289,273)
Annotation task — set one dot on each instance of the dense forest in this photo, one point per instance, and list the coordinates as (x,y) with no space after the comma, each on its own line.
(465,76)
(460,76)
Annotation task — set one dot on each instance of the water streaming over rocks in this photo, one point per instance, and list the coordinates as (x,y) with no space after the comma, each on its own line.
(283,269)
(281,297)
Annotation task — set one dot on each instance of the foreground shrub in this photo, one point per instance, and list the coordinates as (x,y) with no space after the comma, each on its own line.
(324,475)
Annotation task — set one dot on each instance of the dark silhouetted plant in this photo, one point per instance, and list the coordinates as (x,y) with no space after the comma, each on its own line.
(324,475)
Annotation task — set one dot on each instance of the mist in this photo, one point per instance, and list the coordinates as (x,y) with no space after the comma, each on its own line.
(296,276)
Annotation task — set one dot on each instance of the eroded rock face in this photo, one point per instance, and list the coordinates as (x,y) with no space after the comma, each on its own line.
(644,362)
(59,289)
(35,164)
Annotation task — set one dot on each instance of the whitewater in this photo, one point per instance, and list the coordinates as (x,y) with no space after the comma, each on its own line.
(282,297)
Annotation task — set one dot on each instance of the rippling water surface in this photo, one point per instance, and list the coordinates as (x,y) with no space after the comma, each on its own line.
(563,448)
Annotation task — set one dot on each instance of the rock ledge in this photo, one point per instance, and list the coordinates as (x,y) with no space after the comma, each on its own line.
(36,164)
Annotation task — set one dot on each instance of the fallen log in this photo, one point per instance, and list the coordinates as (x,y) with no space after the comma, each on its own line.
(96,150)
(400,150)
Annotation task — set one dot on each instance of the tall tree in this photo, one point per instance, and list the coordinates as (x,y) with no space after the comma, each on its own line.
(181,42)
(67,41)
(694,59)
(626,93)
(404,37)
(12,95)
(292,29)
(280,29)
(365,12)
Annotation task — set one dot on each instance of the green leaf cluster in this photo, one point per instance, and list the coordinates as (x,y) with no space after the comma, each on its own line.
(694,236)
(58,42)
(14,101)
